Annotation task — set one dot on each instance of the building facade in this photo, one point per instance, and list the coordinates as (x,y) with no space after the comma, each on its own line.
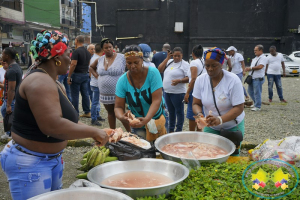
(21,20)
(241,23)
(11,17)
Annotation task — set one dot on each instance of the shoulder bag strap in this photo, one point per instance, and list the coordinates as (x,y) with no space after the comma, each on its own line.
(254,66)
(136,94)
(202,67)
(213,92)
(168,65)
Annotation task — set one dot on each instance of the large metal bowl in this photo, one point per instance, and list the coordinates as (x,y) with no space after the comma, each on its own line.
(192,136)
(82,193)
(173,170)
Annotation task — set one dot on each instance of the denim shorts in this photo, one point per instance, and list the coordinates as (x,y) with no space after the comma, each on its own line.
(30,175)
(189,112)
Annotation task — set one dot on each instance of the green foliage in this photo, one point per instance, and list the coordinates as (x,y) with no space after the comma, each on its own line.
(214,181)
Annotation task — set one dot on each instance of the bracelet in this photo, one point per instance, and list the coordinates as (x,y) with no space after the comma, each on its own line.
(221,121)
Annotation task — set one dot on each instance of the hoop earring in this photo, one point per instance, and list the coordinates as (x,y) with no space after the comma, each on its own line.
(58,63)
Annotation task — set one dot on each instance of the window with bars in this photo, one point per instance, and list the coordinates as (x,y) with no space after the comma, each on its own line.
(15,4)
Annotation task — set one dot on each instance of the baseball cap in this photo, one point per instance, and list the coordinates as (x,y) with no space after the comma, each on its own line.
(146,51)
(231,48)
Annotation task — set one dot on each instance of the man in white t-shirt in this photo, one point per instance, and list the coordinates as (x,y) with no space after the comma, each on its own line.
(237,65)
(95,108)
(275,62)
(257,69)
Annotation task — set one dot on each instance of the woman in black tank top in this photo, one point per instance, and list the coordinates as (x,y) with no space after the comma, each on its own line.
(44,120)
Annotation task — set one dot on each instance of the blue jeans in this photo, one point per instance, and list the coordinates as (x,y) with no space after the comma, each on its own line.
(240,75)
(277,79)
(95,103)
(176,110)
(63,79)
(30,175)
(90,90)
(3,110)
(166,113)
(80,82)
(255,90)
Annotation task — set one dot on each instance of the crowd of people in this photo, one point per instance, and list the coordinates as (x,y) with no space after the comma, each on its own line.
(45,103)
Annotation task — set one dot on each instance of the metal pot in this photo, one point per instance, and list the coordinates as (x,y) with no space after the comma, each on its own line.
(82,193)
(192,136)
(173,170)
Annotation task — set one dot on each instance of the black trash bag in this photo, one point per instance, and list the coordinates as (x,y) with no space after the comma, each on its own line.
(128,151)
(7,121)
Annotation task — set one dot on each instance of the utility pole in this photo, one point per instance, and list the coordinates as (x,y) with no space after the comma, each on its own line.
(76,7)
(0,39)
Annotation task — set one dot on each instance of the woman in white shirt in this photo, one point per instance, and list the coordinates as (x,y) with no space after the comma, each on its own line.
(174,84)
(196,69)
(228,92)
(237,65)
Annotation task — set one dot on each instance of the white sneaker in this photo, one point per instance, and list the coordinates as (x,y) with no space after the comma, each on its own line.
(255,109)
(5,136)
(252,106)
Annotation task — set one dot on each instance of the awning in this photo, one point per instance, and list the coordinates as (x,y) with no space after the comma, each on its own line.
(7,40)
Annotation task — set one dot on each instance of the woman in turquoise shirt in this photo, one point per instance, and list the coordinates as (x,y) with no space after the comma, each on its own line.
(143,94)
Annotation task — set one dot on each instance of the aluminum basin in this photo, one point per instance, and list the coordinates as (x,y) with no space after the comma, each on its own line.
(173,170)
(192,136)
(82,193)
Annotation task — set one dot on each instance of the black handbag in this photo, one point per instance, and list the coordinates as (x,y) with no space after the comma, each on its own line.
(7,121)
(127,151)
(248,79)
(235,136)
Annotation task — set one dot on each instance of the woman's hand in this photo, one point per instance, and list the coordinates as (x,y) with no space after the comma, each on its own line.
(69,80)
(124,118)
(140,124)
(212,121)
(175,82)
(201,121)
(186,97)
(100,137)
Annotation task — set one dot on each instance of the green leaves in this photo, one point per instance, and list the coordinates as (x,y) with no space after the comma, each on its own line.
(214,181)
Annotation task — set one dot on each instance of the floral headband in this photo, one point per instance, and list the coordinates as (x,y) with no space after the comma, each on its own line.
(133,53)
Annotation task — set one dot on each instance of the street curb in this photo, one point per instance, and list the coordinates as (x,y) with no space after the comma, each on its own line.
(89,142)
